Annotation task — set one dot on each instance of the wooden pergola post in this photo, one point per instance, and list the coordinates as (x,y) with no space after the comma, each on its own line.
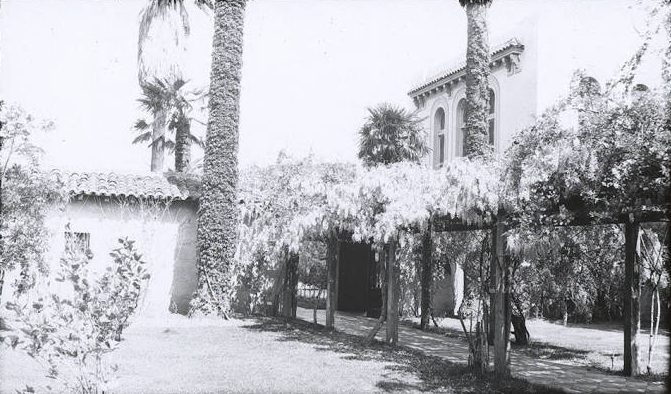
(331,278)
(632,294)
(289,301)
(426,275)
(501,303)
(493,261)
(393,272)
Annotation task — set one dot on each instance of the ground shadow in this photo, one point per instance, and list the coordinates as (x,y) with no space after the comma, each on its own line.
(432,373)
(542,351)
(579,358)
(546,351)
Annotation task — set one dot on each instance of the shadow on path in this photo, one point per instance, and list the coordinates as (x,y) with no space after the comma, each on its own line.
(432,373)
(549,372)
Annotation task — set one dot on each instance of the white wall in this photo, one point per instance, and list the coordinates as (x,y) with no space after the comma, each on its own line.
(165,237)
(515,99)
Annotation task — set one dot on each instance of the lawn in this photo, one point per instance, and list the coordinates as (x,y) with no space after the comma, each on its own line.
(264,355)
(598,345)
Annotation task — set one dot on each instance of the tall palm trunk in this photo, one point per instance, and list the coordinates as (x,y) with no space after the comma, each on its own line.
(666,69)
(218,213)
(182,146)
(478,59)
(158,140)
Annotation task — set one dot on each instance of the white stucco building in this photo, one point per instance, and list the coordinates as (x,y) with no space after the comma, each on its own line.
(149,209)
(531,68)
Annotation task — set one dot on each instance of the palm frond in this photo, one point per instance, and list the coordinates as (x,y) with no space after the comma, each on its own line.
(141,125)
(391,134)
(158,9)
(144,137)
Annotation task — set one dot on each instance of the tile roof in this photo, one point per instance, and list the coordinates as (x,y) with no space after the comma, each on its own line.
(120,185)
(449,71)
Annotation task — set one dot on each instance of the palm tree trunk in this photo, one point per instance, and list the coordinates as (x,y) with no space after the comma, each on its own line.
(158,140)
(478,59)
(182,146)
(218,213)
(666,71)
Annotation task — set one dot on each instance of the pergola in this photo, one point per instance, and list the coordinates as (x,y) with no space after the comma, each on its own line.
(499,286)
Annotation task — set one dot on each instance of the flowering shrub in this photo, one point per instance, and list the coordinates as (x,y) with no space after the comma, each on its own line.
(69,334)
(591,156)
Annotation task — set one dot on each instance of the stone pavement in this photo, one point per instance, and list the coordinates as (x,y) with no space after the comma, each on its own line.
(572,379)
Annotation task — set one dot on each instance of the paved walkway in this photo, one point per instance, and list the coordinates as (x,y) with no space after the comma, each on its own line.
(571,379)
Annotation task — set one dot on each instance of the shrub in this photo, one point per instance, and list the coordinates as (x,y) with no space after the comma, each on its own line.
(68,332)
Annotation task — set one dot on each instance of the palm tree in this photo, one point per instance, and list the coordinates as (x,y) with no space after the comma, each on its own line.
(391,135)
(218,213)
(160,56)
(176,103)
(478,61)
(169,20)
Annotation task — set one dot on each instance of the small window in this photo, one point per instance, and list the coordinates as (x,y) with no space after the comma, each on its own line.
(461,128)
(439,132)
(78,241)
(441,159)
(491,118)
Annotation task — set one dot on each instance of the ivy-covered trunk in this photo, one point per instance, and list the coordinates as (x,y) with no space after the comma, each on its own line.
(666,69)
(218,213)
(182,146)
(478,59)
(158,140)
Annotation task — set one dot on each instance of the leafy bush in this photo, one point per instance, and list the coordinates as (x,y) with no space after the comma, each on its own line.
(69,331)
(26,195)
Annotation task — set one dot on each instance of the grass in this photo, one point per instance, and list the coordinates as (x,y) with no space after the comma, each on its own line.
(264,355)
(597,346)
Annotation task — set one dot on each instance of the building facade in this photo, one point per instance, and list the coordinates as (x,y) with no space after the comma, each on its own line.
(531,68)
(159,216)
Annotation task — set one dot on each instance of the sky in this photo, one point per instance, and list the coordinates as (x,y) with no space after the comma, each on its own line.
(310,68)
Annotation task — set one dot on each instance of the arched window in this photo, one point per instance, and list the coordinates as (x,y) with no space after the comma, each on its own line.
(439,132)
(491,116)
(639,90)
(589,86)
(461,128)
(462,146)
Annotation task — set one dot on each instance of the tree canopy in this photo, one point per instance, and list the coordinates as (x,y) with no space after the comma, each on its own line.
(391,135)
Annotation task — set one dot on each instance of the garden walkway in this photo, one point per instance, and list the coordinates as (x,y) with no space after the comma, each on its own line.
(546,372)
